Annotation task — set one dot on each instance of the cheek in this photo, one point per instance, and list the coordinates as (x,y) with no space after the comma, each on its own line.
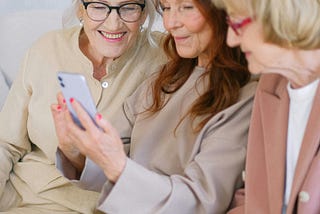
(204,37)
(197,24)
(133,27)
(90,28)
(133,30)
(268,58)
(269,55)
(165,21)
(90,31)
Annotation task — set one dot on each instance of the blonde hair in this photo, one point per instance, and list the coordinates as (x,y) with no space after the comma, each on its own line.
(287,23)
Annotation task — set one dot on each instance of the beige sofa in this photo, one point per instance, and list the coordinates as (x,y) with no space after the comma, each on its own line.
(20,28)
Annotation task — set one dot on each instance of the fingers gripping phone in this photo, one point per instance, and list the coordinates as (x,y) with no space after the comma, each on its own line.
(74,85)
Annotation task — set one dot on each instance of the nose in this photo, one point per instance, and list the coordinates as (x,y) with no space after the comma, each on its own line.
(113,14)
(171,20)
(233,40)
(113,20)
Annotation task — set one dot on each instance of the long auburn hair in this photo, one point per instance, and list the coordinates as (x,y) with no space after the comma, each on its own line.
(227,71)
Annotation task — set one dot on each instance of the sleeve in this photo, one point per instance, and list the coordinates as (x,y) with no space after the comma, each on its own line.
(65,166)
(92,177)
(209,179)
(14,141)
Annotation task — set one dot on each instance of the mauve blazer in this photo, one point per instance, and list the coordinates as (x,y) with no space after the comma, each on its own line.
(266,155)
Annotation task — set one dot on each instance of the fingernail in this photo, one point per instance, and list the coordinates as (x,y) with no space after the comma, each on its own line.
(99,116)
(59,108)
(71,100)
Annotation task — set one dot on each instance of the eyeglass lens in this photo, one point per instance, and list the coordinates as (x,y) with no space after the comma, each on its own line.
(129,12)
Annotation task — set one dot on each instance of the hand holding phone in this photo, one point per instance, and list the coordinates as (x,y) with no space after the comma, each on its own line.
(74,85)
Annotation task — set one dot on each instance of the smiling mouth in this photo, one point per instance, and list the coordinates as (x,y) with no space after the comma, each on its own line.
(112,35)
(180,37)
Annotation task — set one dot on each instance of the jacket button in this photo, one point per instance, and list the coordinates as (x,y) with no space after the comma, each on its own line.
(304,196)
(105,84)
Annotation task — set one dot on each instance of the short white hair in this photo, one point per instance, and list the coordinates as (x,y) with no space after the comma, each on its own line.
(70,16)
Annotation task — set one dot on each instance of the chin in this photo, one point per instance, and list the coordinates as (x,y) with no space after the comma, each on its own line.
(254,69)
(113,53)
(185,54)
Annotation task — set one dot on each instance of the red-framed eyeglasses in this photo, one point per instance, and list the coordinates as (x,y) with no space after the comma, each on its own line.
(236,26)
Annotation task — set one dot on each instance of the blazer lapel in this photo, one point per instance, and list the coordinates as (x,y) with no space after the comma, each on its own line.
(274,110)
(309,147)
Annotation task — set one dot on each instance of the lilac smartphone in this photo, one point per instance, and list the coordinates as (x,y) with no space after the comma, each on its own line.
(74,85)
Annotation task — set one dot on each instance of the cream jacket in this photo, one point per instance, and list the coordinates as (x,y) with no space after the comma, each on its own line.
(28,142)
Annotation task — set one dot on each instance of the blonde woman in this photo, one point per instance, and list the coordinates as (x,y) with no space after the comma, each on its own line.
(281,40)
(115,54)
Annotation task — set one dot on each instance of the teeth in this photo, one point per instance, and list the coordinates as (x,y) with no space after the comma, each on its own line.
(112,36)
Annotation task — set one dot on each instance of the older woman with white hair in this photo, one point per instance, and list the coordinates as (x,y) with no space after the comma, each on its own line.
(115,54)
(281,40)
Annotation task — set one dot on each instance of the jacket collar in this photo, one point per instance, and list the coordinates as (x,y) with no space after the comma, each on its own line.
(274,110)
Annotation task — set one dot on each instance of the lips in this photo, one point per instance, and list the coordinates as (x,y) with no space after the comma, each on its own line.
(246,53)
(112,35)
(179,38)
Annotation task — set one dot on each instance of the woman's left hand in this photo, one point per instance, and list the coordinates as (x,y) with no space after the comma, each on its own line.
(102,145)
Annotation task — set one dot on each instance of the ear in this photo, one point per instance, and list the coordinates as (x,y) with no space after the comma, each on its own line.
(80,12)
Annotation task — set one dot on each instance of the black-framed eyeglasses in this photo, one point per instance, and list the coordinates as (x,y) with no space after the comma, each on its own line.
(236,26)
(99,11)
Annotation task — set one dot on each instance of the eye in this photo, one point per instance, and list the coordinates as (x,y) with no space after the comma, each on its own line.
(97,6)
(164,7)
(187,6)
(130,7)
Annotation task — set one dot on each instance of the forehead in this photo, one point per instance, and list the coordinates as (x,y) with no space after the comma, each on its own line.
(237,7)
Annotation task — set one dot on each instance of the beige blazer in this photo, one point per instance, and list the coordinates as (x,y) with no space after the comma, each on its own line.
(266,157)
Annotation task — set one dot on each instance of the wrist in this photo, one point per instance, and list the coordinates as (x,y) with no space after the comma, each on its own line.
(114,174)
(76,159)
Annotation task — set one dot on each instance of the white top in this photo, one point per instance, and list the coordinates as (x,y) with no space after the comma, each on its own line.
(301,100)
